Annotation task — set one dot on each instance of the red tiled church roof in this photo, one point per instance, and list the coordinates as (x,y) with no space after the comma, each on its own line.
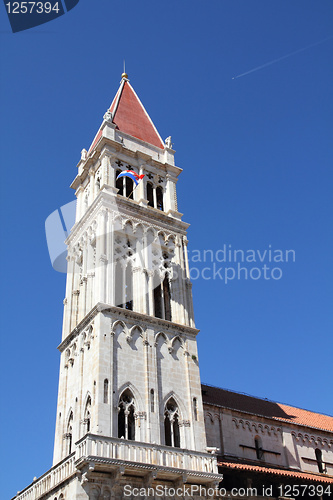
(265,408)
(130,117)
(278,472)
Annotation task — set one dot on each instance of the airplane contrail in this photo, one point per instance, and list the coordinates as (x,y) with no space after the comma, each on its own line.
(281,58)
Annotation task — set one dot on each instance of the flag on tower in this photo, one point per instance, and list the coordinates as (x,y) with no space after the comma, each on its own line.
(132,175)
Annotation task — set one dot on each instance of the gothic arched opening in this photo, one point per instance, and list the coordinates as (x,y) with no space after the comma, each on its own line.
(126,416)
(87,415)
(171,424)
(69,434)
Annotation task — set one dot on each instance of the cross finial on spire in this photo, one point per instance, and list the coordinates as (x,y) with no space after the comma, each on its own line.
(124,75)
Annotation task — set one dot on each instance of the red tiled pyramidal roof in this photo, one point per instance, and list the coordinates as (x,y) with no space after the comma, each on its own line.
(130,117)
(265,408)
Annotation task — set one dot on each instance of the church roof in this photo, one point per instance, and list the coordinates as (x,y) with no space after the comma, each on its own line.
(320,478)
(130,116)
(265,408)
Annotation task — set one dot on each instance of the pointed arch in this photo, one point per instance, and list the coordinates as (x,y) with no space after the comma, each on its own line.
(126,415)
(120,323)
(178,401)
(161,238)
(177,337)
(171,423)
(132,388)
(159,335)
(128,227)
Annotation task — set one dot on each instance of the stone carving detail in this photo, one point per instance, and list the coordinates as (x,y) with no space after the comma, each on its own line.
(108,116)
(254,426)
(316,440)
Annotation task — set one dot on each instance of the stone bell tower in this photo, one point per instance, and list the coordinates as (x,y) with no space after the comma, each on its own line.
(129,402)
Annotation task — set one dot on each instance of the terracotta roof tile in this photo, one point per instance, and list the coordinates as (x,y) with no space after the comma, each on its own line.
(320,478)
(265,408)
(131,117)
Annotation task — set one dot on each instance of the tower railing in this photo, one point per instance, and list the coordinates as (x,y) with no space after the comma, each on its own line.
(93,447)
(49,480)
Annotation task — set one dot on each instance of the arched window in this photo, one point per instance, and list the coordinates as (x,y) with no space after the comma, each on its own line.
(126,416)
(69,434)
(171,424)
(129,288)
(159,198)
(195,408)
(87,415)
(150,194)
(120,183)
(166,298)
(152,401)
(258,447)
(106,391)
(319,458)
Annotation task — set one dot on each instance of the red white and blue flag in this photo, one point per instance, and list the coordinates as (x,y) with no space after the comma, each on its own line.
(132,175)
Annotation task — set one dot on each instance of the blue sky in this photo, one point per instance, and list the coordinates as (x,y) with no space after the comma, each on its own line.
(257,158)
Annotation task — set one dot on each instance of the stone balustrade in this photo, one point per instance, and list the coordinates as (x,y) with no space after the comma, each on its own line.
(145,453)
(49,480)
(93,447)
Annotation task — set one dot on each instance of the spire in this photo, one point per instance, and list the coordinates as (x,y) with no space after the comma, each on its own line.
(130,116)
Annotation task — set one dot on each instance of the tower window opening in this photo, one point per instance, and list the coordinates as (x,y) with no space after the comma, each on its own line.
(166,298)
(126,416)
(258,447)
(152,401)
(159,198)
(319,458)
(119,285)
(120,183)
(69,434)
(171,424)
(129,288)
(106,391)
(195,408)
(158,302)
(150,194)
(129,187)
(87,415)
